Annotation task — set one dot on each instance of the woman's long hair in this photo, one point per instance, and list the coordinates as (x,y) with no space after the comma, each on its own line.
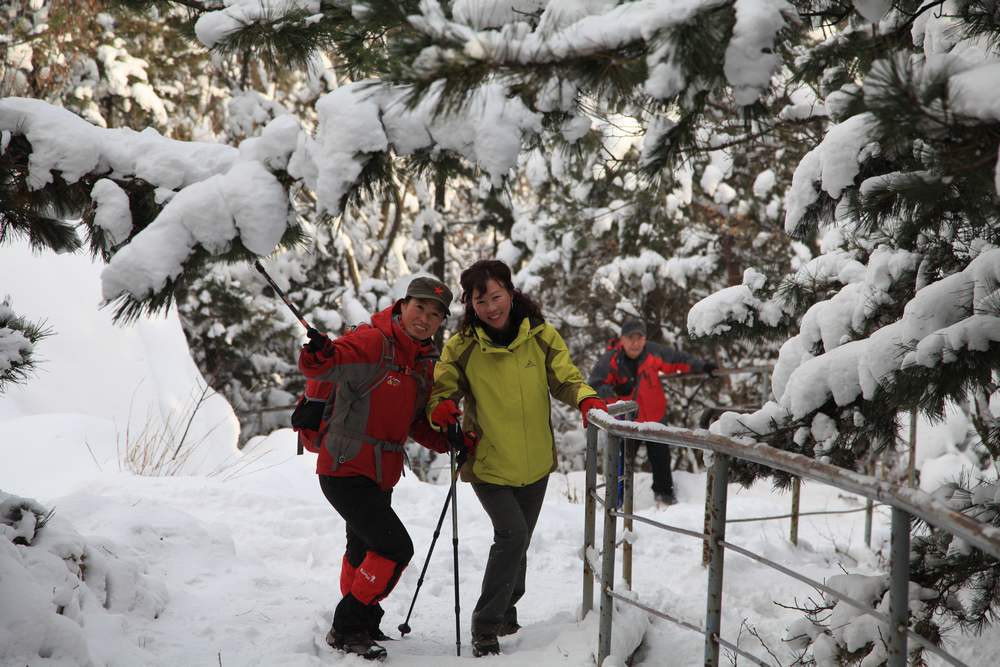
(475,278)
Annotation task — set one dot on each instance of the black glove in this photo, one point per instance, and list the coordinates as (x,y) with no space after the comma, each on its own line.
(463,443)
(470,440)
(317,342)
(709,367)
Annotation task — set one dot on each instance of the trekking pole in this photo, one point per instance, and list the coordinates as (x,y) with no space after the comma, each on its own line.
(457,444)
(277,290)
(404,627)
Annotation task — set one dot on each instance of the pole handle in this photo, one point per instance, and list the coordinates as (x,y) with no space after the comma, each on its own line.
(457,442)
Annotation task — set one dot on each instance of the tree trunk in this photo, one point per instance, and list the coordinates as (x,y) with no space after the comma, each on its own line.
(438,245)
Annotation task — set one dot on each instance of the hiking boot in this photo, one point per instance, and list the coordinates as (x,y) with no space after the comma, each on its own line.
(358,643)
(379,636)
(666,499)
(485,645)
(508,628)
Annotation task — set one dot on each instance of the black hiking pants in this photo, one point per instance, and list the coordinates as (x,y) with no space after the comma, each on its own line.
(372,526)
(659,463)
(514,511)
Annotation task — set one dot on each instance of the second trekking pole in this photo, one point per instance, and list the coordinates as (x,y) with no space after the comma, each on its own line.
(457,445)
(404,627)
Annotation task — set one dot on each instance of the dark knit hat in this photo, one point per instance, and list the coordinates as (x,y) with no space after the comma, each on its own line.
(425,287)
(632,326)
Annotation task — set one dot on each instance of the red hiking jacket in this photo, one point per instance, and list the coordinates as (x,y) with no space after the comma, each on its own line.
(612,377)
(365,433)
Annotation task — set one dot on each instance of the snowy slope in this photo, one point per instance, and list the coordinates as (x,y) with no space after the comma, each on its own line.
(127,380)
(243,571)
(236,562)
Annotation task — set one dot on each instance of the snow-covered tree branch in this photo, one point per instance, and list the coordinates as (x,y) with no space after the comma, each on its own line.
(18,338)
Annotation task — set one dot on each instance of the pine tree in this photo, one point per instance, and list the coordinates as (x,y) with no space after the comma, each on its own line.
(335,263)
(898,311)
(18,337)
(895,191)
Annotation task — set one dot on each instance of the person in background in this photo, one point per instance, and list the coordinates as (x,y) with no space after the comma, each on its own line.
(630,370)
(503,365)
(383,374)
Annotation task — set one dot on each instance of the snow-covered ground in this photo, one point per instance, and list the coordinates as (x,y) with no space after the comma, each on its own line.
(235,559)
(243,570)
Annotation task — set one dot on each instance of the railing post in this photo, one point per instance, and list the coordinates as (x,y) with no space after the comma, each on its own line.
(899,587)
(627,507)
(589,519)
(911,470)
(611,450)
(869,507)
(706,553)
(765,387)
(793,531)
(716,534)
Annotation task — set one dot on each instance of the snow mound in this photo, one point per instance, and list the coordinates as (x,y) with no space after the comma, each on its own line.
(64,598)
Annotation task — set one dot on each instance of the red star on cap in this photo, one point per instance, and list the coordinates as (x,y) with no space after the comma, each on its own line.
(439,290)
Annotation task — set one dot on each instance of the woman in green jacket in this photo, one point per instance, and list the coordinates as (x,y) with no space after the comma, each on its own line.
(503,364)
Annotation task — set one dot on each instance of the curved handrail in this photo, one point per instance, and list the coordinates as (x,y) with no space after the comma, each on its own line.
(912,501)
(621,408)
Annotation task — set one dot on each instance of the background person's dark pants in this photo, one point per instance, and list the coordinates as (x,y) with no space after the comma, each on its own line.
(659,463)
(514,511)
(372,528)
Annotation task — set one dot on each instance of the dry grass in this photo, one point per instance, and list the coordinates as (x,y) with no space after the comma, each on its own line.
(163,450)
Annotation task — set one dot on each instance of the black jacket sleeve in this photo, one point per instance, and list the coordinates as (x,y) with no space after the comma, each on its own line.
(600,373)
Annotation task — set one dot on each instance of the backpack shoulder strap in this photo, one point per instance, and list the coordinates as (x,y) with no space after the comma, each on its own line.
(385,366)
(462,361)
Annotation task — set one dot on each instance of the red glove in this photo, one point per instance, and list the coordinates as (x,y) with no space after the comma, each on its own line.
(445,414)
(591,403)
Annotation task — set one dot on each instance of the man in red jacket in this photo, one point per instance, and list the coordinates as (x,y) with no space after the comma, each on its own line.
(630,370)
(383,374)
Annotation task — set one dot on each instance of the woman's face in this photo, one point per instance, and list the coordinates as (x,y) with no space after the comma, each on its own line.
(421,318)
(492,305)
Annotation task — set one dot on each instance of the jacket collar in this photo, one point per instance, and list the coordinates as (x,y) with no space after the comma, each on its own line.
(525,332)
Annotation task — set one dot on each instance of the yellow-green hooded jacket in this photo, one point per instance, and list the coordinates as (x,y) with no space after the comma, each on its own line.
(506,392)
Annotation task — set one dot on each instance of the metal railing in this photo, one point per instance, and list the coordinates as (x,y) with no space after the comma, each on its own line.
(905,503)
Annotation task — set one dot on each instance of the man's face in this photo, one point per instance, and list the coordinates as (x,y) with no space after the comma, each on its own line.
(633,344)
(421,318)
